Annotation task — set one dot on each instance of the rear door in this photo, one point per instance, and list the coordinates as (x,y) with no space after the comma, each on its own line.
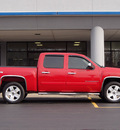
(52,74)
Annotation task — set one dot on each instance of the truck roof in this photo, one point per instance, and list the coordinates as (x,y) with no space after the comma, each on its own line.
(62,53)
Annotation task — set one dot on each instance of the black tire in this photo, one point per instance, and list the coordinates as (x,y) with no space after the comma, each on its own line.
(25,95)
(112,92)
(13,92)
(101,95)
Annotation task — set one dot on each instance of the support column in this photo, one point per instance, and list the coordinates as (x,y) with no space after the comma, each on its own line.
(97,45)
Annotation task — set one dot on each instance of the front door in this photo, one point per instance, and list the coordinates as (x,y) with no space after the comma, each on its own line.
(79,77)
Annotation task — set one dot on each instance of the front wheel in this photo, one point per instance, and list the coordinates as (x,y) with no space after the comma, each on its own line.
(112,92)
(13,93)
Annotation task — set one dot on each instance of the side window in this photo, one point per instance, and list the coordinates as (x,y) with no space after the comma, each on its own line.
(53,61)
(76,62)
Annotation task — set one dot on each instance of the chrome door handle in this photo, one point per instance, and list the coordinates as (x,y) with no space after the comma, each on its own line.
(72,73)
(45,72)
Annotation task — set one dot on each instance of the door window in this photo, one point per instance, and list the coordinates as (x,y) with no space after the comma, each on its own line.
(76,62)
(54,61)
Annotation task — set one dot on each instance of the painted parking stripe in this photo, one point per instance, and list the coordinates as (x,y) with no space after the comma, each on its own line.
(96,106)
(93,103)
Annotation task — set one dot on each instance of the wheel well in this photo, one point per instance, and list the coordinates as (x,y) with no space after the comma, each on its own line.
(108,80)
(6,80)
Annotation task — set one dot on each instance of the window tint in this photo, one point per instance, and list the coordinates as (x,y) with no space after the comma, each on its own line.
(76,62)
(53,61)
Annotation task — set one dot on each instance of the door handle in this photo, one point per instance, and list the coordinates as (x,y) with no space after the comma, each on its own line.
(71,73)
(44,72)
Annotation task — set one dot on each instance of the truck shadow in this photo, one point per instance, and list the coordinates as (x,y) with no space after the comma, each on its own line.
(53,100)
(59,100)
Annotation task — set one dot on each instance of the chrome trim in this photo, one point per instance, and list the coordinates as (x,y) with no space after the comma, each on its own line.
(67,93)
(63,93)
(42,93)
(1,72)
(97,94)
(45,72)
(71,73)
(14,76)
(107,78)
(79,93)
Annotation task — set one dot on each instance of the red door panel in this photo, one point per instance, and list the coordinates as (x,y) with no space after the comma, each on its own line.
(52,80)
(79,80)
(52,73)
(79,77)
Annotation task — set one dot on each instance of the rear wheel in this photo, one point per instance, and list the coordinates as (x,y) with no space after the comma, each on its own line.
(112,92)
(13,92)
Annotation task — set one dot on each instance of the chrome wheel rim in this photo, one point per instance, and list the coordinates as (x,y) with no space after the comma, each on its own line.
(113,93)
(12,93)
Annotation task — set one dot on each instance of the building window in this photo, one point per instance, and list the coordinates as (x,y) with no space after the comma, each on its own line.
(78,47)
(35,48)
(17,54)
(112,54)
(27,53)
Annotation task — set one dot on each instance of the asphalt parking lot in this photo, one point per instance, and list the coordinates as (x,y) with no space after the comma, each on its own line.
(60,113)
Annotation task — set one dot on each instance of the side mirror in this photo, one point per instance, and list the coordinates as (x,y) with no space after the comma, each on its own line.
(90,66)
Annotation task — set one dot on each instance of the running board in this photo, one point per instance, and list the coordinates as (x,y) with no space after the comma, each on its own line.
(55,93)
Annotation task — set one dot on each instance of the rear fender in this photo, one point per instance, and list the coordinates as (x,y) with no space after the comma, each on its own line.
(13,78)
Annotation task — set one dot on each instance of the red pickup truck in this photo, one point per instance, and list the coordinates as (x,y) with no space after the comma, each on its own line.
(60,73)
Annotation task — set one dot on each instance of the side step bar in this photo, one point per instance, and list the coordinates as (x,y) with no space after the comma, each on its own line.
(55,93)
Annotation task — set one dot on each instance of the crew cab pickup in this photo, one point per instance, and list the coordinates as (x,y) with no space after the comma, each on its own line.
(60,73)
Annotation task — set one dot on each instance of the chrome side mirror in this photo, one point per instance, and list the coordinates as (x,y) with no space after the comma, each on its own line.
(90,66)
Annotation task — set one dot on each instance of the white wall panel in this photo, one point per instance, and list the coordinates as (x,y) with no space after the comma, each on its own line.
(64,5)
(106,5)
(17,5)
(58,5)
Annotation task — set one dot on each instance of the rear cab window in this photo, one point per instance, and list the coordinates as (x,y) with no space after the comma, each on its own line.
(54,61)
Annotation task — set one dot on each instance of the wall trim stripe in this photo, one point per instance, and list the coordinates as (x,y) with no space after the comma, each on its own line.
(56,13)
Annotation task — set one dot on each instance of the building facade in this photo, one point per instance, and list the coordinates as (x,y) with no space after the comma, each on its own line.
(29,27)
